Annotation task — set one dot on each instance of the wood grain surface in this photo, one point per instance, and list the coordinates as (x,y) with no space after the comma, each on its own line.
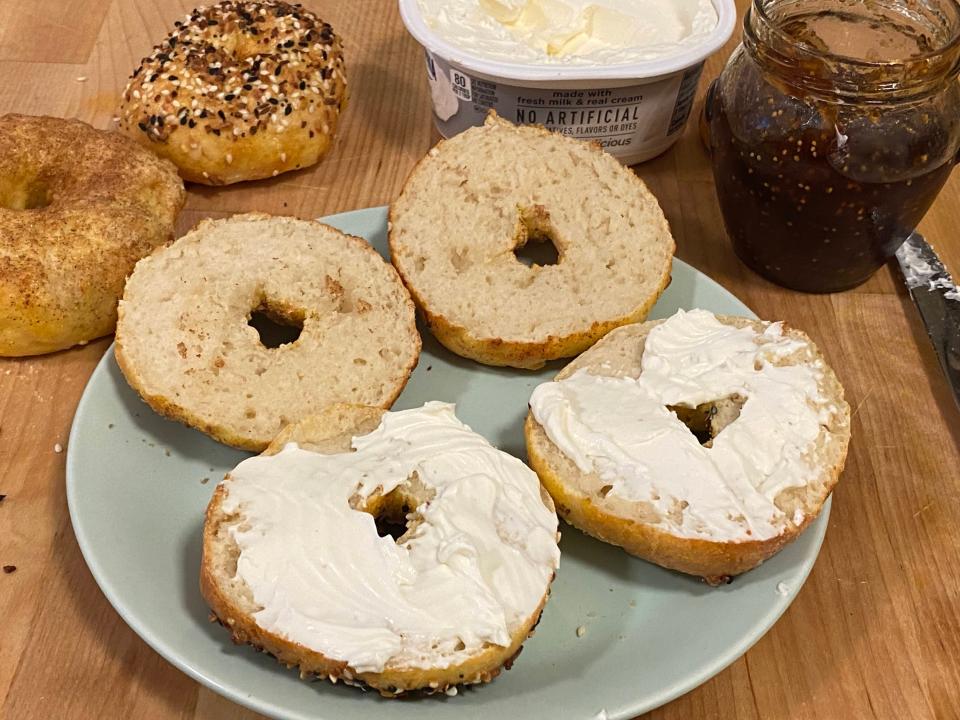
(875,633)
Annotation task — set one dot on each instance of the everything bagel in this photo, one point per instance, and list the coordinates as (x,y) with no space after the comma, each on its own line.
(239,91)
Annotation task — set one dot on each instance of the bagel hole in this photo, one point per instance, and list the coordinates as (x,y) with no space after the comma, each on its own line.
(391,525)
(707,421)
(537,251)
(536,244)
(30,195)
(274,326)
(395,513)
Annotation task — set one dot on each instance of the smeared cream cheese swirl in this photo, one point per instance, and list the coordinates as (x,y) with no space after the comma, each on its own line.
(475,568)
(621,428)
(573,32)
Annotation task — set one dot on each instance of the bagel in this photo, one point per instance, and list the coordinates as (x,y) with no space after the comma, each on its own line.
(611,440)
(239,91)
(479,197)
(293,562)
(78,208)
(185,344)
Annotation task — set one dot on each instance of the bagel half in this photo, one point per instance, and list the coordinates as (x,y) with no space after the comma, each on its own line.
(586,501)
(233,605)
(481,196)
(185,343)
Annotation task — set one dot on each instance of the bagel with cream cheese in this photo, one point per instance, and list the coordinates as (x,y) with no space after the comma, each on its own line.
(294,564)
(700,443)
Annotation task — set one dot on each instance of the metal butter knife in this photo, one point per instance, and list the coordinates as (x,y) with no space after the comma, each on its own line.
(937,298)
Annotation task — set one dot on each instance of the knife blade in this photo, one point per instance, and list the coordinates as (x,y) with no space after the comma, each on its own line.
(937,299)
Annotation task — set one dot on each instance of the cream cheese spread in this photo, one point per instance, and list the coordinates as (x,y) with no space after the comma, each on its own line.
(621,427)
(573,32)
(475,568)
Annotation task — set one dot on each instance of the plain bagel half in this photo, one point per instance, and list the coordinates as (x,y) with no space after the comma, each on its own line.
(188,341)
(479,198)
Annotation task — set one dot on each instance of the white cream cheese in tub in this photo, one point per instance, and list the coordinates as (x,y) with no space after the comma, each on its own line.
(610,71)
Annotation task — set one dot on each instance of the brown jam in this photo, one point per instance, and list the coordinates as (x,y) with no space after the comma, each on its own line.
(799,214)
(817,186)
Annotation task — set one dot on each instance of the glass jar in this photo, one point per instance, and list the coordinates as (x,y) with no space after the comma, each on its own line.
(832,128)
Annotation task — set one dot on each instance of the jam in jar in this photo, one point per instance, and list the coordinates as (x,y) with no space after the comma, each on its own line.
(833,127)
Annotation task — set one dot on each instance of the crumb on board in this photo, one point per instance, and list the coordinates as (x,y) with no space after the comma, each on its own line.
(81,78)
(581,631)
(204,481)
(58,448)
(451,691)
(109,426)
(166,451)
(9,569)
(429,368)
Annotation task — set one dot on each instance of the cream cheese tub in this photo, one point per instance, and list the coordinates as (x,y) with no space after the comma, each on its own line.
(622,73)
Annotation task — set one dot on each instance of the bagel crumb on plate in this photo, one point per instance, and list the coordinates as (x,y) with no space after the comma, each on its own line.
(449,602)
(239,91)
(186,344)
(701,443)
(479,198)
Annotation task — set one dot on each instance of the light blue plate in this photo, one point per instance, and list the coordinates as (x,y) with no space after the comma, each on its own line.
(136,494)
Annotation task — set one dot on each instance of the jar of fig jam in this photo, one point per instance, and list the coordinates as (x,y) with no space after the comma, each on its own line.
(833,127)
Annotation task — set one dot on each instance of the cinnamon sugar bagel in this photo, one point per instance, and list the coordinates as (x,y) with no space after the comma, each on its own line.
(293,562)
(78,208)
(186,344)
(239,91)
(701,443)
(481,197)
